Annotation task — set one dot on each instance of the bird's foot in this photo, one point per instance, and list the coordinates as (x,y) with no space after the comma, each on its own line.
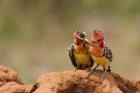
(109,69)
(75,69)
(92,71)
(89,69)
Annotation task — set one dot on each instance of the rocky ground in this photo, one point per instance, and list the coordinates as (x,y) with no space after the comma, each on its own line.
(11,83)
(67,82)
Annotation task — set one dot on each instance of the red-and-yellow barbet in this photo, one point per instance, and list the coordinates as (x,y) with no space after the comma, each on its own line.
(79,52)
(100,53)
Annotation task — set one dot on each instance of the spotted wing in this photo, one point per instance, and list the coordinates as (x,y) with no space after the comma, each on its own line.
(71,54)
(108,54)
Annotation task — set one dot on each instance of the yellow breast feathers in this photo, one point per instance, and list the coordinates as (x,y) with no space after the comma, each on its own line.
(101,60)
(82,58)
(81,55)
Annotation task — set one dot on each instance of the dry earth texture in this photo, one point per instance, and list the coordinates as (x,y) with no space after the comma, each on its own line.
(11,83)
(68,82)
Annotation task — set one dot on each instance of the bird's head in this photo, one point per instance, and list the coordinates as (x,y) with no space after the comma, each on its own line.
(98,35)
(79,36)
(98,38)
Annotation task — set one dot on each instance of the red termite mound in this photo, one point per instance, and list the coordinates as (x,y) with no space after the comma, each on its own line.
(67,82)
(11,83)
(77,82)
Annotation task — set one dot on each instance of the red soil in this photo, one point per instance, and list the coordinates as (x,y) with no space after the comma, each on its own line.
(77,82)
(67,82)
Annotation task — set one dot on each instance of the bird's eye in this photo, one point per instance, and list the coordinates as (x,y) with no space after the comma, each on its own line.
(82,35)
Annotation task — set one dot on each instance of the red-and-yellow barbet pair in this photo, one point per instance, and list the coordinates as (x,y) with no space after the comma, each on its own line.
(84,54)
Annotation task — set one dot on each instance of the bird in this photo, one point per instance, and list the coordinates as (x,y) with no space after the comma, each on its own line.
(79,52)
(100,53)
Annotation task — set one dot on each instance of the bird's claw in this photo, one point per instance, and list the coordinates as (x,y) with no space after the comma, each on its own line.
(75,69)
(89,69)
(109,69)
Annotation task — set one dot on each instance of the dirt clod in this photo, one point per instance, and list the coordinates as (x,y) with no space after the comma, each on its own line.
(76,82)
(10,82)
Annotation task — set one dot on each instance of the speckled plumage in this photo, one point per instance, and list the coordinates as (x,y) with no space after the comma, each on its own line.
(104,59)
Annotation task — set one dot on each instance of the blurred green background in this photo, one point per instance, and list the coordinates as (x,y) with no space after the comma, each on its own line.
(35,34)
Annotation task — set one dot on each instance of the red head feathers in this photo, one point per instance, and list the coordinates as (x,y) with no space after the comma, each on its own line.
(98,37)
